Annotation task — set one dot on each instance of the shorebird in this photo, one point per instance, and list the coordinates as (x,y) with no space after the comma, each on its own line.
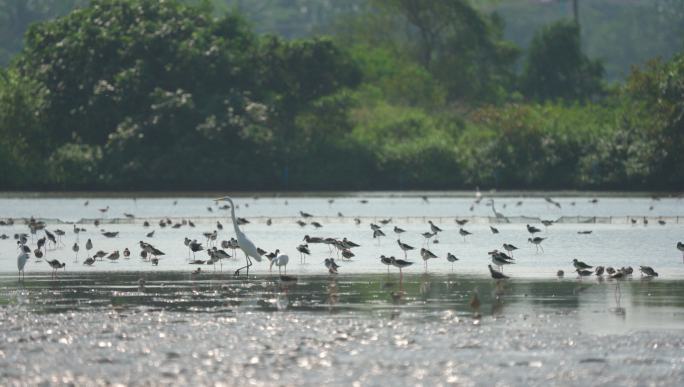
(331,265)
(303,252)
(110,234)
(427,235)
(551,201)
(38,253)
(532,229)
(434,228)
(316,224)
(461,222)
(495,274)
(400,263)
(269,221)
(21,262)
(494,229)
(312,240)
(195,247)
(426,254)
(55,264)
(100,254)
(89,246)
(347,244)
(272,255)
(75,249)
(547,223)
(537,242)
(377,234)
(583,273)
(103,210)
(51,237)
(464,233)
(398,230)
(347,254)
(680,247)
(219,225)
(280,261)
(127,253)
(500,259)
(404,247)
(305,214)
(648,271)
(151,250)
(560,273)
(509,247)
(451,258)
(114,256)
(580,265)
(301,223)
(386,261)
(599,271)
(89,261)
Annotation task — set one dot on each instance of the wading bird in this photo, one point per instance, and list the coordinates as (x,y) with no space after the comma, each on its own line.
(21,262)
(244,243)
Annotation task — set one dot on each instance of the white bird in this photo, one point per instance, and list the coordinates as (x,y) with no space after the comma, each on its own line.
(280,261)
(244,243)
(21,262)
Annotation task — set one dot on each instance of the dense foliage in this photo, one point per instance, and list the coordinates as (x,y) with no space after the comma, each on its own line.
(142,94)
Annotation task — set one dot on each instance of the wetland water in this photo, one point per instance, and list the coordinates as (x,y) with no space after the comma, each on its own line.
(103,325)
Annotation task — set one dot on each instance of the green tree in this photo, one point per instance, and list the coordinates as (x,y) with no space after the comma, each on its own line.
(556,68)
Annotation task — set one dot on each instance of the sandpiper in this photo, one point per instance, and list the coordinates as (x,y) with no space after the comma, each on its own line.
(426,254)
(509,247)
(495,274)
(451,258)
(494,229)
(537,242)
(464,233)
(648,271)
(580,265)
(532,229)
(386,261)
(400,263)
(434,228)
(404,247)
(55,264)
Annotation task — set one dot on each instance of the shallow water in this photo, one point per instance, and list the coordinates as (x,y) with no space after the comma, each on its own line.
(614,240)
(98,326)
(102,328)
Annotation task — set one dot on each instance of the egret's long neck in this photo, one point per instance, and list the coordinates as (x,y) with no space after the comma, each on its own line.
(232,213)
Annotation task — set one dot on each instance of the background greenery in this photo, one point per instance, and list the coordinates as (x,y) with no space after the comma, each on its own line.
(320,94)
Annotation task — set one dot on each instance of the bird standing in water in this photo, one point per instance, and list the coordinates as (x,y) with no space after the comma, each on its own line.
(22,258)
(244,243)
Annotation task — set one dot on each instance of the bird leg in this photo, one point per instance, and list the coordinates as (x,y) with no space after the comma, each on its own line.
(249,263)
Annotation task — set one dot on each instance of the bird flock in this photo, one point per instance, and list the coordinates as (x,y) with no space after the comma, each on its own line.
(41,241)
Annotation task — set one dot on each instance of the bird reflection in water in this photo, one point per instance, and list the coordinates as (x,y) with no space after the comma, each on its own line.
(497,297)
(333,294)
(618,310)
(475,305)
(425,284)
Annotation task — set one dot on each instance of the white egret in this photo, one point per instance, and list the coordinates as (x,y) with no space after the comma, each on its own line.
(280,261)
(21,262)
(244,243)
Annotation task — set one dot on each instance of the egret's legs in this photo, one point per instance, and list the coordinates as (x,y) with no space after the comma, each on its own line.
(249,263)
